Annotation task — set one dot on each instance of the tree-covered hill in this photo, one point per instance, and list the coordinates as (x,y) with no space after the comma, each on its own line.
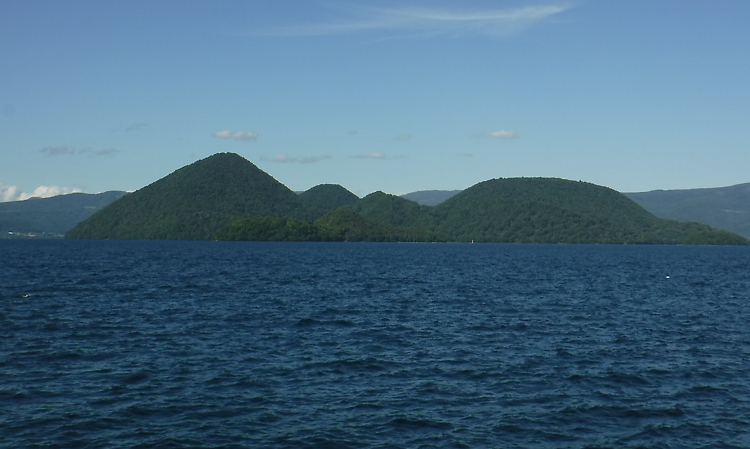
(345,224)
(324,198)
(550,210)
(725,208)
(273,229)
(192,203)
(393,210)
(54,215)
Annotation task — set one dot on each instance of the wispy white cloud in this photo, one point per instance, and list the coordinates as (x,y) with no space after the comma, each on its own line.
(503,134)
(13,193)
(312,159)
(61,150)
(106,152)
(57,151)
(283,159)
(370,156)
(9,193)
(239,135)
(405,136)
(245,135)
(426,20)
(136,127)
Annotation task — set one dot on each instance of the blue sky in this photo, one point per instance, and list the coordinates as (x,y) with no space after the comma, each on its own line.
(395,96)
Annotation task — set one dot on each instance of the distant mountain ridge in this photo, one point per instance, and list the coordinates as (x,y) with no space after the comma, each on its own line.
(55,215)
(430,197)
(227,196)
(725,208)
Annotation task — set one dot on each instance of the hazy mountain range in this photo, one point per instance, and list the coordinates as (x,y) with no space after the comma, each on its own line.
(430,197)
(51,217)
(725,208)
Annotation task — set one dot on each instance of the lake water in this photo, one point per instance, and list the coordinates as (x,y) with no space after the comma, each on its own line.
(244,344)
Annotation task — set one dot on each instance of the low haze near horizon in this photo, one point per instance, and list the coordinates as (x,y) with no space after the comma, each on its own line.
(396,96)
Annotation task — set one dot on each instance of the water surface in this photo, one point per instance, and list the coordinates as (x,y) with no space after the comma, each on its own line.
(240,344)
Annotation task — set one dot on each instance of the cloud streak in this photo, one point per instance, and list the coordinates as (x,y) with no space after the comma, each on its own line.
(63,150)
(106,152)
(427,20)
(57,151)
(370,156)
(239,135)
(136,127)
(503,135)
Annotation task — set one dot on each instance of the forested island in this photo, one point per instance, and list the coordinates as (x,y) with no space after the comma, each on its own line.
(226,197)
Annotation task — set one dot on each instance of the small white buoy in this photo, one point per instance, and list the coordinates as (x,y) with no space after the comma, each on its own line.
(667,277)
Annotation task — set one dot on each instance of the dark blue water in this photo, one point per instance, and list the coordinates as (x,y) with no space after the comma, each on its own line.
(223,344)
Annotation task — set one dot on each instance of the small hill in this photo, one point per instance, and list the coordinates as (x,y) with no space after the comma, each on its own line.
(55,215)
(322,199)
(345,224)
(393,210)
(725,208)
(430,197)
(192,203)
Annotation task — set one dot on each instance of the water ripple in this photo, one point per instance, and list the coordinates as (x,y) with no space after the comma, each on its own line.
(206,344)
